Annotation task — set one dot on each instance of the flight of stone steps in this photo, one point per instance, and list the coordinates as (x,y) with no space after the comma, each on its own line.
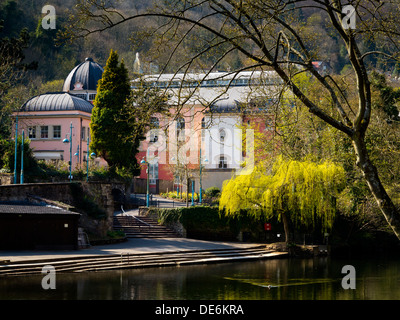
(141,227)
(138,260)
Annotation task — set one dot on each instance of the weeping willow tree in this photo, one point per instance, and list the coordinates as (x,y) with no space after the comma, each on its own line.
(298,193)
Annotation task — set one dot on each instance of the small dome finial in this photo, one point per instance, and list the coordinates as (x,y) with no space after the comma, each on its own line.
(137,66)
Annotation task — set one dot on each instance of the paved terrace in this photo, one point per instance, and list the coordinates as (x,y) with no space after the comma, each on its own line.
(131,246)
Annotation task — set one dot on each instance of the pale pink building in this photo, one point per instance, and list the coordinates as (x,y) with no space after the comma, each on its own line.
(46,119)
(207,132)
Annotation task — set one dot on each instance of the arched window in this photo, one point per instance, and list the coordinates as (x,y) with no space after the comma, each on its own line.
(154,122)
(222,135)
(154,125)
(203,128)
(180,129)
(153,172)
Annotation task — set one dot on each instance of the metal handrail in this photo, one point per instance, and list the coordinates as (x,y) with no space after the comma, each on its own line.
(141,221)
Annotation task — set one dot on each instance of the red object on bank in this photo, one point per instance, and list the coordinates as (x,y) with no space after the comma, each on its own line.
(267,226)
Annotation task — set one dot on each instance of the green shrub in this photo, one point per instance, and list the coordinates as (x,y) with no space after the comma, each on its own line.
(7,158)
(115,234)
(213,192)
(201,222)
(173,195)
(208,223)
(83,202)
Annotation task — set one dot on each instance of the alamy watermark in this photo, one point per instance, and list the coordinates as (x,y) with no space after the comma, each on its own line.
(49,20)
(349,280)
(233,148)
(49,280)
(349,20)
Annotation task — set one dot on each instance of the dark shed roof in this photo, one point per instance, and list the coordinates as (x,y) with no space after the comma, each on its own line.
(88,73)
(31,208)
(57,101)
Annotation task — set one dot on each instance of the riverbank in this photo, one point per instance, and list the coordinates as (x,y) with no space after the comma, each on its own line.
(134,253)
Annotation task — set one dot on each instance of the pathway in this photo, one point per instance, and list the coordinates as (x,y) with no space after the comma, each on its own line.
(158,201)
(134,253)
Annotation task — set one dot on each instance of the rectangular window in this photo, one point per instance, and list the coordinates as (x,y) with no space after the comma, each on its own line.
(56,132)
(88,132)
(32,132)
(92,96)
(153,172)
(154,125)
(222,163)
(80,95)
(180,129)
(83,133)
(44,132)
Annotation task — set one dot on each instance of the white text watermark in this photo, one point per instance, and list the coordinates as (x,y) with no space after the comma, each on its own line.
(49,20)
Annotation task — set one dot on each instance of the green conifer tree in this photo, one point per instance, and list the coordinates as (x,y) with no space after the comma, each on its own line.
(110,130)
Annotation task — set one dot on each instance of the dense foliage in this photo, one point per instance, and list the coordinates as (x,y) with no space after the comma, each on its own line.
(205,222)
(298,134)
(109,128)
(7,156)
(303,191)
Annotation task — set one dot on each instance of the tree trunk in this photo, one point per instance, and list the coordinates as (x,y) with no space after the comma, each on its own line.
(187,192)
(371,176)
(286,227)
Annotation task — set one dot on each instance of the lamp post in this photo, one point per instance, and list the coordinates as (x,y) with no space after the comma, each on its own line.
(77,153)
(70,151)
(15,151)
(201,186)
(178,189)
(92,155)
(179,179)
(192,192)
(22,158)
(148,183)
(87,160)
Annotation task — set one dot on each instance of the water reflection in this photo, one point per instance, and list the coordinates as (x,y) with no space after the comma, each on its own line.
(262,280)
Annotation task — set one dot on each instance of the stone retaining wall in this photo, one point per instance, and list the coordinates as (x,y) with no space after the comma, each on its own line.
(6,178)
(99,192)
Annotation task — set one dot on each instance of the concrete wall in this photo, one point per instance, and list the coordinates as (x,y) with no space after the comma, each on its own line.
(6,178)
(140,186)
(215,178)
(53,191)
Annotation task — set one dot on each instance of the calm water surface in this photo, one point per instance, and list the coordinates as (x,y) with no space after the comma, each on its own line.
(280,279)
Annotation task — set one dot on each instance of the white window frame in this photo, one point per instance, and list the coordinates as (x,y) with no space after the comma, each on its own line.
(41,132)
(223,162)
(83,134)
(32,132)
(54,137)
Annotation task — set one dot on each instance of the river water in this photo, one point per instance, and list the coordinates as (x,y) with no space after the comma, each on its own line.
(278,279)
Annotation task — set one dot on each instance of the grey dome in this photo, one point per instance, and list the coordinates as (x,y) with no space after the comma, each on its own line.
(87,73)
(57,101)
(225,106)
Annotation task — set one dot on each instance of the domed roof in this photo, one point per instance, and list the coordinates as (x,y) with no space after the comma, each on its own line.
(57,101)
(84,76)
(225,106)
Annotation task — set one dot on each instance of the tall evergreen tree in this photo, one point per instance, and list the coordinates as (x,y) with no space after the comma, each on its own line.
(110,131)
